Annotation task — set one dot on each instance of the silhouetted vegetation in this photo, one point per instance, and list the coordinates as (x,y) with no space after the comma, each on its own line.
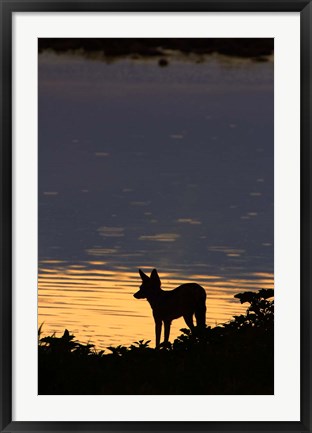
(236,357)
(111,48)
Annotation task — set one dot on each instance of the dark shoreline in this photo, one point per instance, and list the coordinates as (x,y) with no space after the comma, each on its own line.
(235,358)
(112,48)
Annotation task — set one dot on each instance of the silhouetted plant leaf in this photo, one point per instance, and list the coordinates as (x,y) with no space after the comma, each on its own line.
(40,329)
(266,293)
(245,297)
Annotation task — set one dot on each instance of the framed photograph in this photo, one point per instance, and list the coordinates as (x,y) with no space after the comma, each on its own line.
(155,216)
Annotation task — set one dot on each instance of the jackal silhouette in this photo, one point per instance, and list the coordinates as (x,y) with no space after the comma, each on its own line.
(167,305)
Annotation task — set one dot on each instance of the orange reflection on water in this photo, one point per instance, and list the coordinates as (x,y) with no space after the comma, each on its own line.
(97,304)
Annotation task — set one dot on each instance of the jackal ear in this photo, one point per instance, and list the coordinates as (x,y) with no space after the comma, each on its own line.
(155,277)
(143,276)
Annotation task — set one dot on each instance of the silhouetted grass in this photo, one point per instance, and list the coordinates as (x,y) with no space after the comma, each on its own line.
(234,358)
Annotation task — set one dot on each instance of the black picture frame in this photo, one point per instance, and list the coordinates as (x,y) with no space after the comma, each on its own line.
(8,7)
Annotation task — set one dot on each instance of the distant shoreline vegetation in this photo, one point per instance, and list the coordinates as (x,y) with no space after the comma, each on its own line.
(161,48)
(236,357)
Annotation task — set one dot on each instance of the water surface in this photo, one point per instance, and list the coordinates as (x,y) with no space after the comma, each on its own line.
(142,167)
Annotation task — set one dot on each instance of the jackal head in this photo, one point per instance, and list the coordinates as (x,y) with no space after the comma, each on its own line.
(149,285)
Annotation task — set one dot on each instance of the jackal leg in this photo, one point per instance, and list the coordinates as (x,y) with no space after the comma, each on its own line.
(157,331)
(189,321)
(167,331)
(200,314)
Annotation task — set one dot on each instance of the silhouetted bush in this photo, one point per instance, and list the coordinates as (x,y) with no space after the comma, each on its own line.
(236,357)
